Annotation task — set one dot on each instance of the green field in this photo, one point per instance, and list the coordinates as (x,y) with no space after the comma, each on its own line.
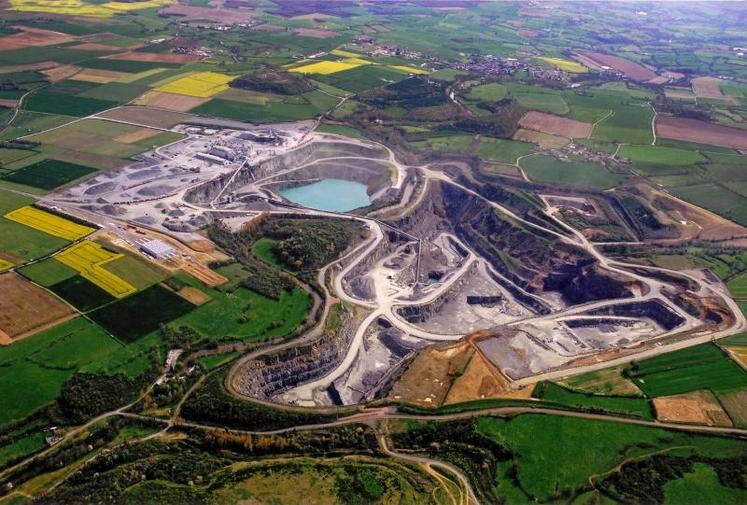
(492,92)
(556,455)
(738,287)
(262,249)
(628,125)
(575,173)
(81,293)
(244,314)
(133,317)
(702,486)
(48,174)
(663,155)
(362,78)
(27,122)
(700,367)
(716,198)
(47,272)
(506,151)
(637,407)
(137,271)
(35,368)
(19,240)
(133,67)
(70,105)
(271,112)
(215,360)
(11,155)
(22,447)
(538,98)
(347,131)
(445,143)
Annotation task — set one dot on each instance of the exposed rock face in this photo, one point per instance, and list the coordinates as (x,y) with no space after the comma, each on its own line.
(534,260)
(269,376)
(652,309)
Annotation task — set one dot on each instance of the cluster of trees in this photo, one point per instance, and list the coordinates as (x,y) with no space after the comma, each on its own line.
(415,92)
(66,454)
(212,404)
(642,482)
(260,277)
(341,439)
(459,444)
(86,395)
(275,80)
(111,474)
(641,214)
(502,122)
(307,244)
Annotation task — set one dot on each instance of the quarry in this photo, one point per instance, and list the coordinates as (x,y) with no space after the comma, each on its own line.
(443,264)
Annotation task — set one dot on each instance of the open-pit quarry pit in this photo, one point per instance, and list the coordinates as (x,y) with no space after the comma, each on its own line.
(441,261)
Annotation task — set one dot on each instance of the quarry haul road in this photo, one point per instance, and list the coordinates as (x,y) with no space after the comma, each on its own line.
(384,305)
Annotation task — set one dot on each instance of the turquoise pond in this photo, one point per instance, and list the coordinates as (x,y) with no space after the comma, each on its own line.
(334,195)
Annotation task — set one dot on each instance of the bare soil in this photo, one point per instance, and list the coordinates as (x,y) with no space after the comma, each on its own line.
(631,69)
(98,76)
(698,407)
(61,72)
(194,295)
(710,87)
(147,116)
(555,125)
(42,65)
(316,33)
(429,377)
(544,140)
(156,57)
(33,37)
(481,380)
(693,130)
(170,101)
(140,134)
(26,308)
(217,14)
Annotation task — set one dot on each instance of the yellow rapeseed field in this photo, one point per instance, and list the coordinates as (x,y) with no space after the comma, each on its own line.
(327,67)
(48,223)
(5,264)
(89,258)
(567,65)
(199,84)
(409,70)
(82,8)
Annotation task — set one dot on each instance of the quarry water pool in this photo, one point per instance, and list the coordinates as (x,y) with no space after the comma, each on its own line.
(334,195)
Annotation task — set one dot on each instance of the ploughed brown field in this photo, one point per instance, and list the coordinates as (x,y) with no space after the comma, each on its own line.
(555,125)
(544,140)
(156,57)
(26,308)
(60,73)
(631,69)
(316,33)
(698,407)
(146,116)
(98,76)
(42,65)
(170,101)
(29,37)
(710,87)
(218,14)
(694,130)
